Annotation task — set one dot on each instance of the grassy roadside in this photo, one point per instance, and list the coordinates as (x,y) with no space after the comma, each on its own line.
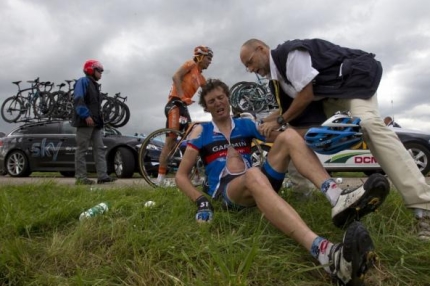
(42,242)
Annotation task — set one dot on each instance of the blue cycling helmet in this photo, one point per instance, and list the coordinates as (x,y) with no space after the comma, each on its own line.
(339,132)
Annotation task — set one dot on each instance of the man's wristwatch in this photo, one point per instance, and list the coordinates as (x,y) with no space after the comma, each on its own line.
(280,120)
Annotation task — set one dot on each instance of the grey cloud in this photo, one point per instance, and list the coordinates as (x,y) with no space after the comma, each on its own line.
(142,43)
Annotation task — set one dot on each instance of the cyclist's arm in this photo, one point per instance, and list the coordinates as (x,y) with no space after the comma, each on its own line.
(188,160)
(178,78)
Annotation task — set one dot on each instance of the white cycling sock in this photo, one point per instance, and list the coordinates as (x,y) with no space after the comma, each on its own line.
(331,190)
(320,249)
(160,178)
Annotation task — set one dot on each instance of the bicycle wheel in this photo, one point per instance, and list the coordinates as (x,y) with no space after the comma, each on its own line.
(110,110)
(43,105)
(123,115)
(247,97)
(61,107)
(150,151)
(149,154)
(11,109)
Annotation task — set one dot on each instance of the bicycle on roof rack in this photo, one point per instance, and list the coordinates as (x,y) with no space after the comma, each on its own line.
(116,113)
(18,108)
(63,101)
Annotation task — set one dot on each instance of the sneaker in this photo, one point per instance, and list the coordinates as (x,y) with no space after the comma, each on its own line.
(354,204)
(106,180)
(84,181)
(166,183)
(350,259)
(423,225)
(424,229)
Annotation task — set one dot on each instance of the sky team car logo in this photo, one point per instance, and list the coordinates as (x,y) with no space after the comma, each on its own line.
(45,149)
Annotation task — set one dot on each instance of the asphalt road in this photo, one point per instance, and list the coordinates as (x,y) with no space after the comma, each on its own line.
(7,180)
(139,182)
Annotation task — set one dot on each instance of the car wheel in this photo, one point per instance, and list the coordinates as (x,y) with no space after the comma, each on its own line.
(17,164)
(256,156)
(67,174)
(124,163)
(421,156)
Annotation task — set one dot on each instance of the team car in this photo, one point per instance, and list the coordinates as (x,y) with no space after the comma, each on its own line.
(362,160)
(49,146)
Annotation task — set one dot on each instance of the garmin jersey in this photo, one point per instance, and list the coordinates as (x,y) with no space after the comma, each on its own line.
(191,81)
(212,147)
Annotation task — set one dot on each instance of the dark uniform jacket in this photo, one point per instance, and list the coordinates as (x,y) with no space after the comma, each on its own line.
(87,102)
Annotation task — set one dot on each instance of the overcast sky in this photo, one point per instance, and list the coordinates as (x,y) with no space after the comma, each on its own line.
(141,43)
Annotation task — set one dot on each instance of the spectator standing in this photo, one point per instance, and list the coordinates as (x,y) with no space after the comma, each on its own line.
(88,120)
(390,122)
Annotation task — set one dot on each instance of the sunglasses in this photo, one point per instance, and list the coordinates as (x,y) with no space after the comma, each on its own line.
(99,70)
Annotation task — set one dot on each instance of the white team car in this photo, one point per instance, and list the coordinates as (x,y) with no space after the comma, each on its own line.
(362,160)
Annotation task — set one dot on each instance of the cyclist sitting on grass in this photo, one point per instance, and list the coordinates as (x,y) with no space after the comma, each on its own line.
(225,145)
(186,81)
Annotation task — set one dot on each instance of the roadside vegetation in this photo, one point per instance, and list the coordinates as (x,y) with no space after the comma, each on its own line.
(42,241)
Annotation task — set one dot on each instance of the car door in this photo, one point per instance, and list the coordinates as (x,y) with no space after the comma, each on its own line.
(44,143)
(66,158)
(357,159)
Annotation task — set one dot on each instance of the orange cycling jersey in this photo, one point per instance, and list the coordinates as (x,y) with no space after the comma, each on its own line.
(191,81)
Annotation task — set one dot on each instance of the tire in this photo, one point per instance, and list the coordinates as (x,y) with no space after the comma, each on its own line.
(11,109)
(124,116)
(67,174)
(62,105)
(43,105)
(17,164)
(247,97)
(110,110)
(150,151)
(421,156)
(124,163)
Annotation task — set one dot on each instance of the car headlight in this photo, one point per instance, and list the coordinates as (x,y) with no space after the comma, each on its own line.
(153,147)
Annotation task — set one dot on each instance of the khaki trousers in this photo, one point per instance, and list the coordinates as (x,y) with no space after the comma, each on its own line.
(388,150)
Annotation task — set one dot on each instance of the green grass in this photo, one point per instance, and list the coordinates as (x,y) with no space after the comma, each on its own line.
(42,242)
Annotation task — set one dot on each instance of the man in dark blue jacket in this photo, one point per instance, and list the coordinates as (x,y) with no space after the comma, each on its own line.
(88,120)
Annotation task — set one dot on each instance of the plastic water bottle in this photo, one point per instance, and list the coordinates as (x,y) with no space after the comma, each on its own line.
(94,211)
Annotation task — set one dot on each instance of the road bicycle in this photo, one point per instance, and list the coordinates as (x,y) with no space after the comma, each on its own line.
(150,151)
(115,111)
(18,107)
(251,97)
(152,145)
(63,101)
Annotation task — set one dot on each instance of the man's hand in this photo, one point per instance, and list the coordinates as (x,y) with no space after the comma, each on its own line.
(267,127)
(204,210)
(89,120)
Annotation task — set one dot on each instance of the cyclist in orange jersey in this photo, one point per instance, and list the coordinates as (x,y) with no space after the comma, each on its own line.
(186,81)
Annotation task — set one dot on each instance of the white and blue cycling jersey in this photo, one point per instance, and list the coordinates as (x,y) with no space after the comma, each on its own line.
(212,147)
